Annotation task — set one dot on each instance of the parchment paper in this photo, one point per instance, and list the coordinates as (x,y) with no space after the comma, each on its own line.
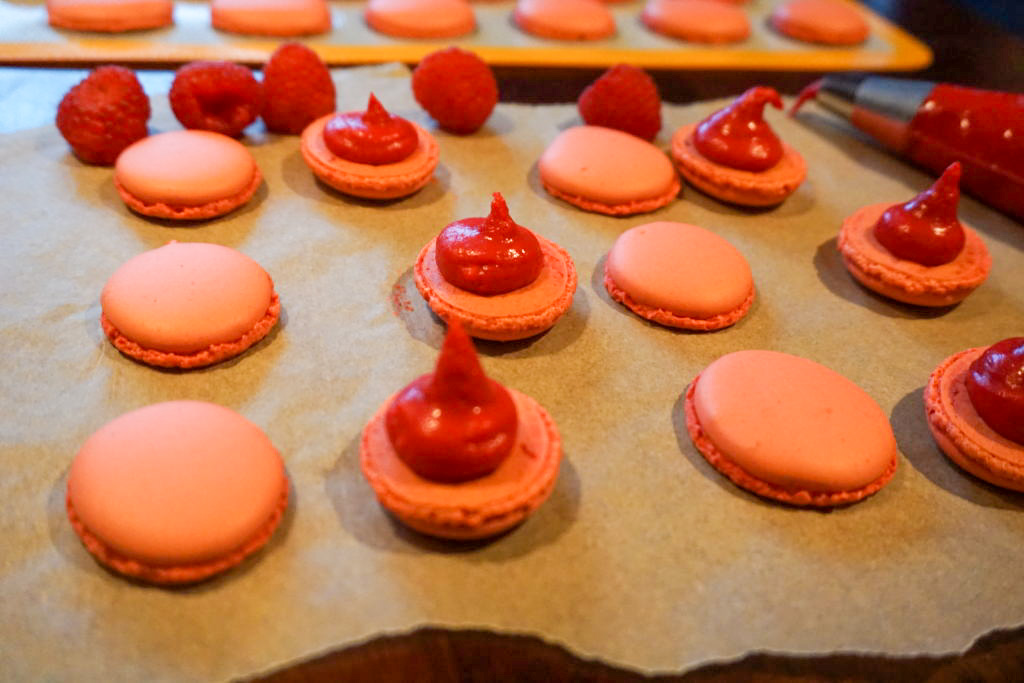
(25,34)
(644,556)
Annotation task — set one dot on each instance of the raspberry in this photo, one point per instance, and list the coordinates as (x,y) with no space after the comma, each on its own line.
(457,88)
(103,114)
(218,96)
(297,88)
(624,97)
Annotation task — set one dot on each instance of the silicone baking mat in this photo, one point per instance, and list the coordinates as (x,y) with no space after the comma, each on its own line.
(644,556)
(26,37)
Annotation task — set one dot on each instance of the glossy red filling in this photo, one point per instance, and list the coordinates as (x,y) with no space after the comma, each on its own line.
(738,136)
(995,384)
(491,255)
(926,229)
(454,424)
(370,137)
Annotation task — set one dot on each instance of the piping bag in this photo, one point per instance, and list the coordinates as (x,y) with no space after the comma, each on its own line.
(935,124)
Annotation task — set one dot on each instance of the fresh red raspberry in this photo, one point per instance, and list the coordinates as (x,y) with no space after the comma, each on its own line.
(103,114)
(457,88)
(624,97)
(297,88)
(219,96)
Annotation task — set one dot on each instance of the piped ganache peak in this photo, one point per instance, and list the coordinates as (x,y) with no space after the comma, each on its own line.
(926,229)
(370,137)
(734,155)
(491,255)
(738,136)
(454,424)
(455,454)
(495,277)
(974,403)
(917,252)
(371,154)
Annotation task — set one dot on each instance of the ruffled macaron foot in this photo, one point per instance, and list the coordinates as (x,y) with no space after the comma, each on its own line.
(679,275)
(962,434)
(733,185)
(369,181)
(174,493)
(608,171)
(186,175)
(457,455)
(477,509)
(188,305)
(875,267)
(519,314)
(788,429)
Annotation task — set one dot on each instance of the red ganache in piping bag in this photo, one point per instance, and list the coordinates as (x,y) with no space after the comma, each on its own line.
(935,124)
(995,384)
(926,230)
(491,255)
(371,137)
(454,424)
(738,136)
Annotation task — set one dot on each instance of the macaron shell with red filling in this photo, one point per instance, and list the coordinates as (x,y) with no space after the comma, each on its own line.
(421,18)
(607,171)
(787,428)
(188,305)
(109,16)
(518,314)
(473,509)
(962,434)
(879,270)
(679,275)
(186,175)
(386,181)
(832,22)
(702,21)
(271,17)
(746,188)
(565,19)
(176,492)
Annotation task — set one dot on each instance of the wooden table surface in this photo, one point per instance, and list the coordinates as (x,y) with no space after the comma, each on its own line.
(968,50)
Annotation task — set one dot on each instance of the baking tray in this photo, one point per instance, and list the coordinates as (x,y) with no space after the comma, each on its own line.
(644,556)
(26,37)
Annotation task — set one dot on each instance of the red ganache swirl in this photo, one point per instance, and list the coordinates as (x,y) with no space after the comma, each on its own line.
(738,136)
(454,424)
(926,230)
(370,137)
(995,384)
(490,255)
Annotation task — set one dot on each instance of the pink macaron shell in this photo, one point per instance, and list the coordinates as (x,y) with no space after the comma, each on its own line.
(962,433)
(879,270)
(188,304)
(607,171)
(271,17)
(518,314)
(473,509)
(421,18)
(109,16)
(832,22)
(790,429)
(177,491)
(703,21)
(386,181)
(746,188)
(565,19)
(186,175)
(679,275)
